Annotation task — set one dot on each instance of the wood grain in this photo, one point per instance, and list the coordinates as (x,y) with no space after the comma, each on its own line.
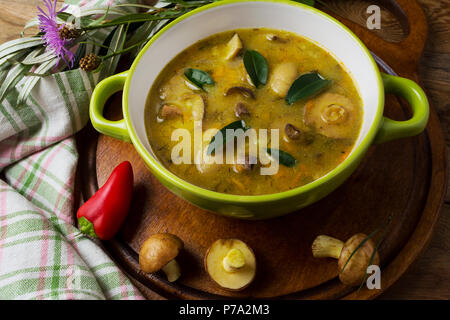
(394,181)
(430,276)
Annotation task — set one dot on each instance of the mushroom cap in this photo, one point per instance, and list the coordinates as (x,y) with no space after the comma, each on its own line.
(356,268)
(158,250)
(313,115)
(234,281)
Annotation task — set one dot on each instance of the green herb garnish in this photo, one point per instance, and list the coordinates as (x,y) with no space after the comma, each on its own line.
(221,137)
(305,86)
(375,250)
(283,157)
(256,66)
(199,77)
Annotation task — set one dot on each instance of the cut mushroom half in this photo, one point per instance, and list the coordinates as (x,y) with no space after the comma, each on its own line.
(330,114)
(241,110)
(159,252)
(355,269)
(244,91)
(282,78)
(169,111)
(234,47)
(231,264)
(292,132)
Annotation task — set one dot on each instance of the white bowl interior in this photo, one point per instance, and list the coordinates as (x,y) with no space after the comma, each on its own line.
(304,22)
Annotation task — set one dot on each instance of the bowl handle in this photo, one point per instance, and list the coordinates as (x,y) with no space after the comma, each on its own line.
(104,90)
(416,97)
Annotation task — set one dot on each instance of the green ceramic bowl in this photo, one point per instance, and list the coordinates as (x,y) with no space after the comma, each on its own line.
(232,14)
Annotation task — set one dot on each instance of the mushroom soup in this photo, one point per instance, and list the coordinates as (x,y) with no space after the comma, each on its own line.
(258,79)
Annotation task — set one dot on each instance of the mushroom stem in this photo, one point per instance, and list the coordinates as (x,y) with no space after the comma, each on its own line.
(327,247)
(234,260)
(172,270)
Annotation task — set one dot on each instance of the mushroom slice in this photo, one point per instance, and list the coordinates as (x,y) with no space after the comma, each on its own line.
(355,269)
(169,111)
(159,252)
(234,47)
(303,137)
(292,132)
(330,114)
(282,78)
(246,92)
(241,110)
(231,264)
(247,166)
(196,104)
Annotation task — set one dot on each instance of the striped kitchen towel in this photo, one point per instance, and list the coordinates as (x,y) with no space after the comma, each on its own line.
(42,254)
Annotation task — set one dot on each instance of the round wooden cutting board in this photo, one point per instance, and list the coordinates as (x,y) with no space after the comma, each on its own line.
(404,179)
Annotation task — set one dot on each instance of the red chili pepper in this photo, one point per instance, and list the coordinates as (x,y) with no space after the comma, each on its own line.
(103,214)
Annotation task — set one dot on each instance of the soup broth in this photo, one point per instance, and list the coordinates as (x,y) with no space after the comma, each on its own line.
(317,131)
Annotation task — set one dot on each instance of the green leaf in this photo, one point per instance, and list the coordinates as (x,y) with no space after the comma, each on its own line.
(31,23)
(18,45)
(144,32)
(305,86)
(5,62)
(256,66)
(3,75)
(83,20)
(96,11)
(307,2)
(117,42)
(283,157)
(40,57)
(199,77)
(137,17)
(11,80)
(81,52)
(222,134)
(32,81)
(136,5)
(101,19)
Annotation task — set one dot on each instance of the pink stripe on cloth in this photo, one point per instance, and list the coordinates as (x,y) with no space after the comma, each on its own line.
(27,167)
(65,216)
(123,286)
(4,223)
(44,167)
(70,273)
(13,140)
(12,149)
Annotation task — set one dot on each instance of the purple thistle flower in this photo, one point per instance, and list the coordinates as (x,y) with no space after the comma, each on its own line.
(53,41)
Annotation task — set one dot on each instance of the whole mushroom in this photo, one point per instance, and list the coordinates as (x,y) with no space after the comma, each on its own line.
(332,115)
(354,272)
(159,252)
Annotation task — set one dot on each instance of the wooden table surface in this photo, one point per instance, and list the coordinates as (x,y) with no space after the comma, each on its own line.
(429,277)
